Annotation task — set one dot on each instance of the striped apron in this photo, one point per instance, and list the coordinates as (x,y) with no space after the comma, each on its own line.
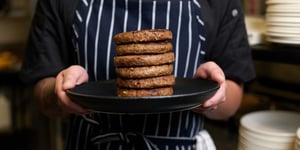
(95,23)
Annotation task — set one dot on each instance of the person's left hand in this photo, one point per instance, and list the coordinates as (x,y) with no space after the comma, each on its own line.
(211,71)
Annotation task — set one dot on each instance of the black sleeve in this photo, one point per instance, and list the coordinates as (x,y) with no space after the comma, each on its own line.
(49,47)
(226,41)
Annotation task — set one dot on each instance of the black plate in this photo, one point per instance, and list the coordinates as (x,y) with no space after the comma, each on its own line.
(101,96)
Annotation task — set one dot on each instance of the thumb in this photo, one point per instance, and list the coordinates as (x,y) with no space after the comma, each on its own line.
(210,71)
(73,76)
(218,76)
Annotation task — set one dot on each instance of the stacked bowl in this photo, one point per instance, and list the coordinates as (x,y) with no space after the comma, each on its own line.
(283,21)
(268,130)
(297,141)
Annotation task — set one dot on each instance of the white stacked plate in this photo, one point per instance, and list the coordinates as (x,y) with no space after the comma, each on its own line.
(283,21)
(297,141)
(269,130)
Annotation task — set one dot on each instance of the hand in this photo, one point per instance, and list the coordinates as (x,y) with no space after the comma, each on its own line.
(212,71)
(68,79)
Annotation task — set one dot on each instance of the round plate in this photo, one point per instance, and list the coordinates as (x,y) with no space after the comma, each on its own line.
(283,19)
(282,24)
(284,30)
(282,2)
(282,35)
(291,41)
(101,96)
(270,14)
(272,123)
(283,8)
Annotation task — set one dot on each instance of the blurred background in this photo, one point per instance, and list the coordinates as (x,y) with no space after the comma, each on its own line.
(276,54)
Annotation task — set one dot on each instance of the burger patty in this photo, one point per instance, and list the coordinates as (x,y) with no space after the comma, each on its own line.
(165,91)
(142,36)
(144,60)
(144,72)
(155,82)
(144,48)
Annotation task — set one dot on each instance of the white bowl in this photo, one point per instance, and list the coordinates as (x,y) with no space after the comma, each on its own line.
(272,123)
(298,133)
(267,143)
(248,145)
(297,142)
(297,145)
(266,138)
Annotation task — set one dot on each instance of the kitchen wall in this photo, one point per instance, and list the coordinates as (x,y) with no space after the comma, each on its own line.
(13,30)
(22,127)
(273,69)
(15,22)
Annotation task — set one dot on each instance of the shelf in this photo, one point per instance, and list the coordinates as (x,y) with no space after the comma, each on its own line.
(271,81)
(15,17)
(276,53)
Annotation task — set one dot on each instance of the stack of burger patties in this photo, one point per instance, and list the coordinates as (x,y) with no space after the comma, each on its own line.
(144,63)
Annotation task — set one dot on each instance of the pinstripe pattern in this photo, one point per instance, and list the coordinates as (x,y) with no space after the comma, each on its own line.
(95,22)
(114,22)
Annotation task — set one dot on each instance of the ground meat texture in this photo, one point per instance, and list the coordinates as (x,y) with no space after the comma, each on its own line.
(142,36)
(155,82)
(144,48)
(144,60)
(144,72)
(124,92)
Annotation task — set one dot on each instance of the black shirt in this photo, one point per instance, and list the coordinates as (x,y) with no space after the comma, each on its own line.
(51,45)
(50,41)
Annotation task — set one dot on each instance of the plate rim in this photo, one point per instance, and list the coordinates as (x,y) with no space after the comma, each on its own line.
(152,100)
(144,97)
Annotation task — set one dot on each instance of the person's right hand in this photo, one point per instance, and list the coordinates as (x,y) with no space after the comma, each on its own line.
(68,79)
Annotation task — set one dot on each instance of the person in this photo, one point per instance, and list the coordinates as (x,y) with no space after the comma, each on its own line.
(70,43)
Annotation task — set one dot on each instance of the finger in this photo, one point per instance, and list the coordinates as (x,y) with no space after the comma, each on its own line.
(217,99)
(82,79)
(58,83)
(72,107)
(201,109)
(82,74)
(73,76)
(68,105)
(63,100)
(210,70)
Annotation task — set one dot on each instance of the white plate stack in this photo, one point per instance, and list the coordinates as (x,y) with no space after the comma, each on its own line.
(283,21)
(297,141)
(268,130)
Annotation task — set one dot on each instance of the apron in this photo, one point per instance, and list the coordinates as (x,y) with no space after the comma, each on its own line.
(95,23)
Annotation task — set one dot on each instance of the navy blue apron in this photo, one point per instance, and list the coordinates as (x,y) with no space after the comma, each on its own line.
(95,23)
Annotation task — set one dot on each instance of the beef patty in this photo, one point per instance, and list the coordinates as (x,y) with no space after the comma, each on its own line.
(144,48)
(162,81)
(165,91)
(144,60)
(144,63)
(144,72)
(142,36)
